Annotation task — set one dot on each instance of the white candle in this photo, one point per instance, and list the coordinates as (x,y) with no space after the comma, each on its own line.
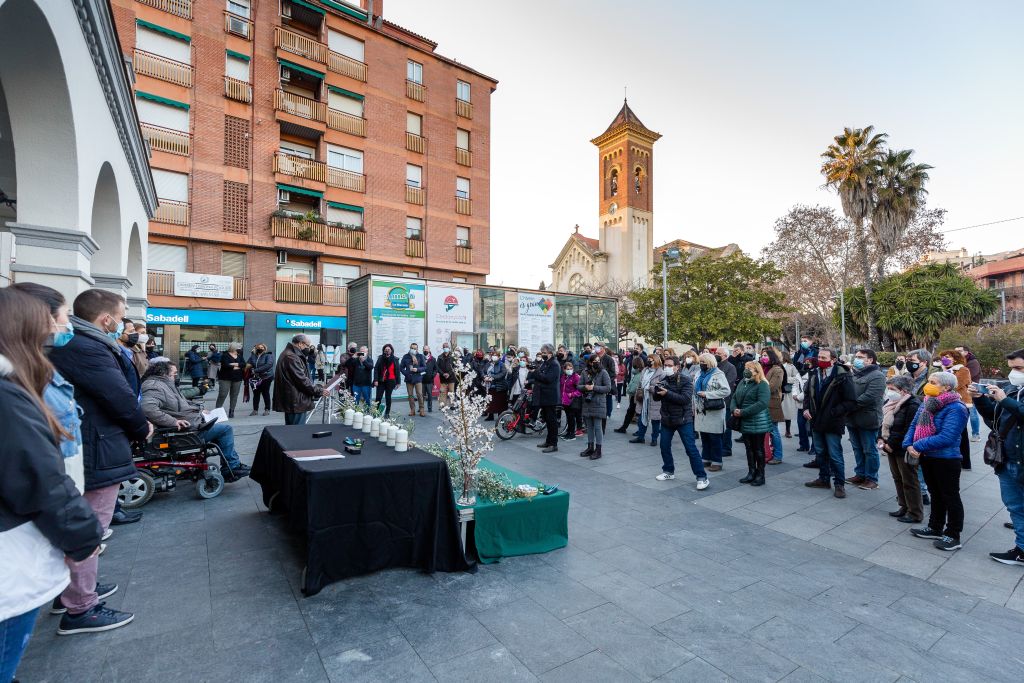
(392,433)
(401,441)
(375,427)
(357,421)
(383,437)
(367,424)
(349,415)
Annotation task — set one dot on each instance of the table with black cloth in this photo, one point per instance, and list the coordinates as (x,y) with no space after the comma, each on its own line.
(362,513)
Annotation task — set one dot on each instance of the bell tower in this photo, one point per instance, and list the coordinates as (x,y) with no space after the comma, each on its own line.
(626,197)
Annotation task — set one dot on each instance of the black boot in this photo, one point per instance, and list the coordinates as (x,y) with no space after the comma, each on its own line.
(758,472)
(589,452)
(750,470)
(596,455)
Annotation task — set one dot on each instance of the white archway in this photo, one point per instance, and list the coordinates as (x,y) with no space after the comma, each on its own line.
(137,302)
(105,226)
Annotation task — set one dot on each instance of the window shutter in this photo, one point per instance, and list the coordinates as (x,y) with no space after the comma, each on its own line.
(345,45)
(162,115)
(349,105)
(168,257)
(232,263)
(461,138)
(413,123)
(237,68)
(413,175)
(158,43)
(339,273)
(170,185)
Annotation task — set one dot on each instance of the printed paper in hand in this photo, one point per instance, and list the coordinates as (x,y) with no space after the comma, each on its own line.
(218,414)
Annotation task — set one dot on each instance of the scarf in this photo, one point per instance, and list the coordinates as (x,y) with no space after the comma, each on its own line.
(889,410)
(932,405)
(703,379)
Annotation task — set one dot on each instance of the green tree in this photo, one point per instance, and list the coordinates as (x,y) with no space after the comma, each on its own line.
(850,168)
(899,196)
(709,299)
(915,306)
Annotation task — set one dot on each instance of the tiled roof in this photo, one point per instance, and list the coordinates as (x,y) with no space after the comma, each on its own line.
(626,117)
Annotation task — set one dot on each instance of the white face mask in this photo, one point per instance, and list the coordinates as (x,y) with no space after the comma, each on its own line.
(671,370)
(1016,378)
(569,371)
(445,349)
(689,361)
(413,350)
(143,338)
(892,395)
(494,359)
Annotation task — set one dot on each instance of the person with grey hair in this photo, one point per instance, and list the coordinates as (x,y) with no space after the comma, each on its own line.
(935,440)
(898,411)
(919,365)
(293,389)
(546,379)
(232,376)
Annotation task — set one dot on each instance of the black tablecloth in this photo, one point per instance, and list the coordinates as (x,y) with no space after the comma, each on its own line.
(364,513)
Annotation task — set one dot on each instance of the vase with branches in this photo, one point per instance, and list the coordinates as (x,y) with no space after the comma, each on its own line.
(462,432)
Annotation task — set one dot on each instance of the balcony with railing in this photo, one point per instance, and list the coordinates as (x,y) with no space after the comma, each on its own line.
(300,167)
(235,89)
(166,139)
(463,157)
(414,247)
(300,106)
(415,91)
(237,25)
(301,45)
(463,108)
(346,180)
(414,195)
(463,205)
(463,254)
(161,282)
(307,293)
(179,8)
(415,143)
(346,123)
(346,66)
(170,211)
(296,228)
(155,66)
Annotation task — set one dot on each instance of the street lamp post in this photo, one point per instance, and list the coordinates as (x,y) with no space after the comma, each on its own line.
(842,318)
(674,254)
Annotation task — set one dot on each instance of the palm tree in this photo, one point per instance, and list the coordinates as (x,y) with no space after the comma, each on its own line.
(899,194)
(850,168)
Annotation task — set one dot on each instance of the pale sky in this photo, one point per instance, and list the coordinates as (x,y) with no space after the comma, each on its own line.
(747,94)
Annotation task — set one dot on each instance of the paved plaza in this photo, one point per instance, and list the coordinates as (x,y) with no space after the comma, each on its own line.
(659,582)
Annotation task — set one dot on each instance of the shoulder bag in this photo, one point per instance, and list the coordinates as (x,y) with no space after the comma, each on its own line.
(994,452)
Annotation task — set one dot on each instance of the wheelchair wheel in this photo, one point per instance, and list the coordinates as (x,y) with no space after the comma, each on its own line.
(210,485)
(137,491)
(503,425)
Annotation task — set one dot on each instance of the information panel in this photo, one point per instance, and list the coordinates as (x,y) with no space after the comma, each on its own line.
(536,321)
(449,309)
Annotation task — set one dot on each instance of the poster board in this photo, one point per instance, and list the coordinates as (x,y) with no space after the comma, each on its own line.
(449,310)
(398,316)
(536,320)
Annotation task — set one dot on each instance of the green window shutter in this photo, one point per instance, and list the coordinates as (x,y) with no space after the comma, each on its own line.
(161,100)
(311,7)
(351,11)
(346,93)
(347,207)
(300,190)
(301,69)
(237,55)
(165,31)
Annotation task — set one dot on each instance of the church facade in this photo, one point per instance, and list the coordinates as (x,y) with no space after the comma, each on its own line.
(623,255)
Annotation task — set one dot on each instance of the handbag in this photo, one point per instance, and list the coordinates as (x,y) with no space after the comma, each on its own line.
(769,450)
(714,404)
(994,452)
(787,388)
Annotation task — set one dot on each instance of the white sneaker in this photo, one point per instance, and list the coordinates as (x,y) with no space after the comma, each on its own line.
(103,549)
(665,476)
(702,484)
(107,534)
(976,438)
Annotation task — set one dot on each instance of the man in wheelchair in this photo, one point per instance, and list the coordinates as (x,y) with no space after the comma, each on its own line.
(165,407)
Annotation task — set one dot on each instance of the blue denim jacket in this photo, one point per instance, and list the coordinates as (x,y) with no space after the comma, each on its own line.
(60,399)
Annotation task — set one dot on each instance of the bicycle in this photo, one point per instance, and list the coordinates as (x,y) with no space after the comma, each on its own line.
(523,416)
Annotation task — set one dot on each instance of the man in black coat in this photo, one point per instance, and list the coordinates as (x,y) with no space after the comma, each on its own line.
(546,389)
(293,389)
(608,363)
(112,418)
(829,399)
(729,370)
(675,392)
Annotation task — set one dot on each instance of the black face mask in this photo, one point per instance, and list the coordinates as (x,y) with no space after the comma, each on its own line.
(133,339)
(912,366)
(899,365)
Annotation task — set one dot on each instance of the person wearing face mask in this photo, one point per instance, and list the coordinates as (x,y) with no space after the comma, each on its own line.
(141,348)
(359,367)
(496,382)
(789,389)
(919,365)
(899,367)
(294,391)
(594,383)
(771,364)
(953,361)
(385,376)
(650,412)
(1002,407)
(866,419)
(829,399)
(429,376)
(261,376)
(104,380)
(445,373)
(807,351)
(213,364)
(412,368)
(898,411)
(691,366)
(546,394)
(935,441)
(710,399)
(973,367)
(572,400)
(126,342)
(674,394)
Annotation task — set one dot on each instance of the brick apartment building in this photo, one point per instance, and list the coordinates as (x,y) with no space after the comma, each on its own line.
(1006,276)
(297,145)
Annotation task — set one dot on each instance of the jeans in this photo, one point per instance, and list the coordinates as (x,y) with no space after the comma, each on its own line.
(726,438)
(655,430)
(263,390)
(80,595)
(609,404)
(630,413)
(14,635)
(362,394)
(830,454)
(594,434)
(688,437)
(804,432)
(943,477)
(295,418)
(865,452)
(222,435)
(712,445)
(975,422)
(1011,489)
(384,390)
(776,441)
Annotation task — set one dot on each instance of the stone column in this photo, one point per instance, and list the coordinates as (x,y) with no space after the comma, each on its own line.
(57,257)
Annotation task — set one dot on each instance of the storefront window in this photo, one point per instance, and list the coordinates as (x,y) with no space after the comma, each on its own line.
(491,317)
(602,324)
(571,322)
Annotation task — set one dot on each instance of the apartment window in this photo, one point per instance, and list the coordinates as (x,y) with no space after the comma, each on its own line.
(462,91)
(350,217)
(338,274)
(413,228)
(458,279)
(162,44)
(236,68)
(239,7)
(344,158)
(295,149)
(165,116)
(414,72)
(461,236)
(172,258)
(345,103)
(410,273)
(462,138)
(232,263)
(345,45)
(413,123)
(462,188)
(295,272)
(413,175)
(170,185)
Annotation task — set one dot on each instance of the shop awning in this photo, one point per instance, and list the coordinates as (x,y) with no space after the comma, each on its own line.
(346,93)
(161,100)
(165,31)
(310,72)
(300,190)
